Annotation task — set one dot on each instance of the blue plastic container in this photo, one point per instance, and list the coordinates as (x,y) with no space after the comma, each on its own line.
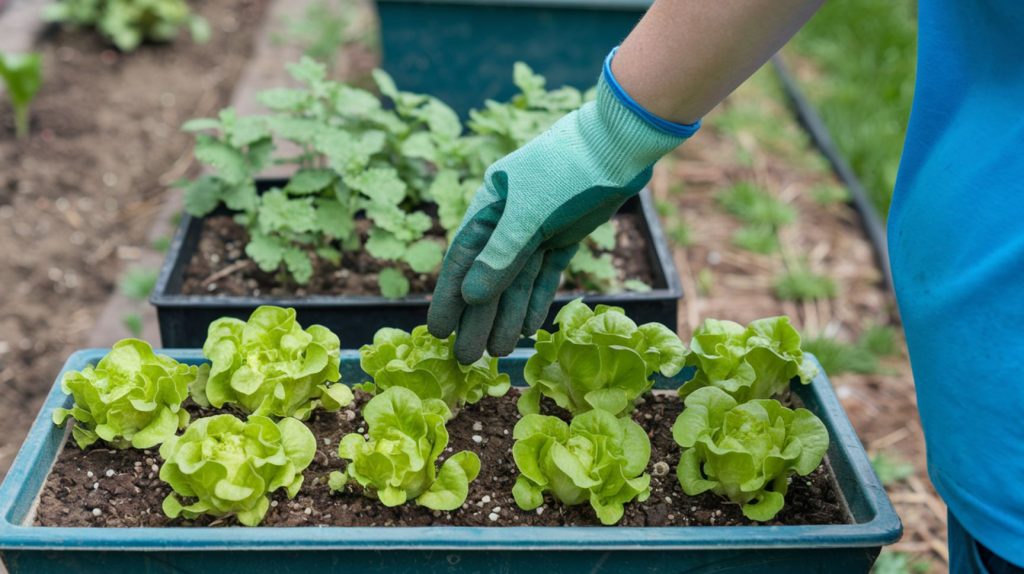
(462,51)
(833,549)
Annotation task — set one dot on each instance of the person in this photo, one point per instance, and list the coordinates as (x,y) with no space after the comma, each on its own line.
(956,225)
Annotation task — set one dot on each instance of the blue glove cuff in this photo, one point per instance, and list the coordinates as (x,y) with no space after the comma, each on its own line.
(661,124)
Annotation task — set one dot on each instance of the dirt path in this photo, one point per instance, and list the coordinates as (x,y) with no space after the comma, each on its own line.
(83,191)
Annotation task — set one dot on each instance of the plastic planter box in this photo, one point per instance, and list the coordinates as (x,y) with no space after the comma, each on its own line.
(462,51)
(184,318)
(835,549)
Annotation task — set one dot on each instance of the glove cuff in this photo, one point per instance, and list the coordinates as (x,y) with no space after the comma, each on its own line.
(625,137)
(671,128)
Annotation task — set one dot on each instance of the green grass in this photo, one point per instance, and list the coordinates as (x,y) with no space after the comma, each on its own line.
(890,562)
(861,357)
(754,205)
(757,239)
(138,283)
(891,468)
(864,51)
(828,194)
(132,322)
(800,284)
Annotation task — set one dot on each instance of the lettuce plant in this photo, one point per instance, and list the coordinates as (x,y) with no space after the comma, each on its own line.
(745,452)
(596,458)
(397,463)
(384,158)
(756,362)
(598,359)
(426,365)
(229,466)
(269,365)
(128,23)
(132,397)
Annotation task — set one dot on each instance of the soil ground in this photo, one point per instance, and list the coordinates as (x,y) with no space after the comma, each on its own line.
(103,487)
(77,198)
(220,267)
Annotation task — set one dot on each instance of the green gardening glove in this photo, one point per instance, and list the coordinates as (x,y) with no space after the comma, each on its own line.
(536,204)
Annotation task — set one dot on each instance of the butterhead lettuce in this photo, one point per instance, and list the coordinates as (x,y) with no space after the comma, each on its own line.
(397,463)
(427,366)
(753,362)
(598,359)
(597,458)
(229,466)
(271,366)
(745,452)
(132,397)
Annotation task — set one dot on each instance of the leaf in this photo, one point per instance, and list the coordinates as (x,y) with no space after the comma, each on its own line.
(382,185)
(310,181)
(266,251)
(201,124)
(137,283)
(299,264)
(393,284)
(424,255)
(451,487)
(278,211)
(202,195)
(604,236)
(284,99)
(384,245)
(385,84)
(228,161)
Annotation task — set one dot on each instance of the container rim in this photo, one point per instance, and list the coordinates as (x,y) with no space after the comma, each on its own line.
(576,4)
(44,441)
(161,298)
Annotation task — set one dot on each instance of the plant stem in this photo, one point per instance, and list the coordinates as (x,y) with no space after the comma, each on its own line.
(21,122)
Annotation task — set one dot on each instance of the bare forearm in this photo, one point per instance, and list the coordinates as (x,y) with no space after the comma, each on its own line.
(685,56)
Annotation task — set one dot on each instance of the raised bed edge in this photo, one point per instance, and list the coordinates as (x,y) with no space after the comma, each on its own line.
(876,522)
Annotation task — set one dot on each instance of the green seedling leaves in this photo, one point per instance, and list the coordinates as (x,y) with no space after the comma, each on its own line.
(745,452)
(23,76)
(132,397)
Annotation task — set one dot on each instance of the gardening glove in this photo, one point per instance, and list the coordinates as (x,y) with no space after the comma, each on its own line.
(536,204)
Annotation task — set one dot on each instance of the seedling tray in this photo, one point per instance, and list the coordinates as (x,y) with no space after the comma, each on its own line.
(844,548)
(462,51)
(184,318)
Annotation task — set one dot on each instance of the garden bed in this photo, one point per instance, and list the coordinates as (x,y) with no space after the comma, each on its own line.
(123,485)
(207,275)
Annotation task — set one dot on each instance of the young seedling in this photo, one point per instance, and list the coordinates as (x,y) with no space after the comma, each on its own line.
(891,468)
(132,397)
(271,366)
(598,359)
(381,157)
(22,75)
(597,458)
(753,362)
(427,366)
(128,23)
(138,283)
(745,452)
(397,462)
(230,467)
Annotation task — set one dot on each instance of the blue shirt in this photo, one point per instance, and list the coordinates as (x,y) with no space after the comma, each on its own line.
(956,240)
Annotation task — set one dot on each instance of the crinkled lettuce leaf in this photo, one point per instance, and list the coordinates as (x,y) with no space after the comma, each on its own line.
(753,362)
(427,366)
(597,458)
(271,366)
(222,466)
(132,397)
(397,463)
(598,359)
(745,452)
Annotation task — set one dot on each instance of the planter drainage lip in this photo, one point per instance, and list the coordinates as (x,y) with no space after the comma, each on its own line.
(876,522)
(163,296)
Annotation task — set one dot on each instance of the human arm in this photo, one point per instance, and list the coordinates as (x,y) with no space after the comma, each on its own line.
(525,223)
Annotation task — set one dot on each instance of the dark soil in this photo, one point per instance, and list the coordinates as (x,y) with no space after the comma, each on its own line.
(125,489)
(81,192)
(221,267)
